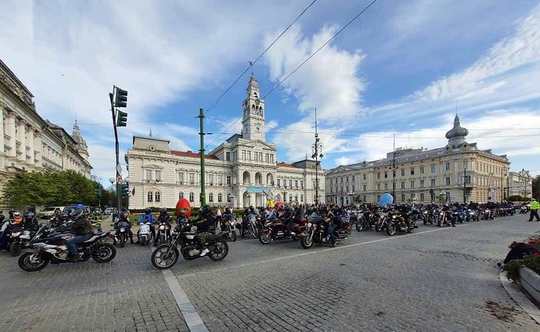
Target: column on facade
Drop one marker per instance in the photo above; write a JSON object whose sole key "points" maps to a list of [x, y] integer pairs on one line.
{"points": [[30, 144], [1, 131], [252, 199], [10, 130], [21, 130], [38, 147]]}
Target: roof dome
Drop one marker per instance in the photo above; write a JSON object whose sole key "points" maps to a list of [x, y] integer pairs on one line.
{"points": [[456, 135], [457, 131]]}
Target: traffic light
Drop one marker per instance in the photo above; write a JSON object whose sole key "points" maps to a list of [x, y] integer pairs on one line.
{"points": [[120, 99], [125, 190], [121, 118]]}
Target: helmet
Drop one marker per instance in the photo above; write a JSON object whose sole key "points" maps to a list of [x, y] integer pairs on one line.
{"points": [[76, 213], [17, 217], [147, 211], [29, 216]]}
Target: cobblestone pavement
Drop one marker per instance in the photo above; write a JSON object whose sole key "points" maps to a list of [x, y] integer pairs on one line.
{"points": [[124, 295], [441, 280], [433, 280]]}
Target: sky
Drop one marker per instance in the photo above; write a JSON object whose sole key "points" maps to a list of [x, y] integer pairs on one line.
{"points": [[404, 68]]}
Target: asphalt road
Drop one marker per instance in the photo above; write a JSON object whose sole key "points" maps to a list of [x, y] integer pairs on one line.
{"points": [[432, 280]]}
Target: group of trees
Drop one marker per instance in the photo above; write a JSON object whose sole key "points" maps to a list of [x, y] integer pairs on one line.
{"points": [[49, 188]]}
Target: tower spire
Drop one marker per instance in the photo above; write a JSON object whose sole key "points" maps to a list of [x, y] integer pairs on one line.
{"points": [[253, 112]]}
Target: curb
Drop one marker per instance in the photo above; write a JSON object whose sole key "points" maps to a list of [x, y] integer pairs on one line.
{"points": [[518, 297]]}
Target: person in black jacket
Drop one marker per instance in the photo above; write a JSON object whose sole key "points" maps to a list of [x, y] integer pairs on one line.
{"points": [[82, 231]]}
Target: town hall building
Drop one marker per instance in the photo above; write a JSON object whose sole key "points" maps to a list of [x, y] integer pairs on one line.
{"points": [[242, 171]]}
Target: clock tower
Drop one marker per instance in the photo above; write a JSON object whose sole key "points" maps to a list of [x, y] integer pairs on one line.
{"points": [[253, 107]]}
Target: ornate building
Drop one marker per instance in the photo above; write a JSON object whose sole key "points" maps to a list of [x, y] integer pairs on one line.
{"points": [[520, 184], [27, 141], [456, 172], [240, 172]]}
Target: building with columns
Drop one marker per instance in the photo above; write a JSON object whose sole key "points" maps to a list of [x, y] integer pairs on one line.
{"points": [[30, 143], [520, 184], [240, 172], [456, 172]]}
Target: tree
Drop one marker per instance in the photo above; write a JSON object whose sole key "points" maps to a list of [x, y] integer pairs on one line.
{"points": [[49, 188]]}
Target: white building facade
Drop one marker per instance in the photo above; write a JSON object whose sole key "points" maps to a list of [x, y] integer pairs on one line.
{"points": [[242, 171], [520, 184], [457, 172], [30, 143]]}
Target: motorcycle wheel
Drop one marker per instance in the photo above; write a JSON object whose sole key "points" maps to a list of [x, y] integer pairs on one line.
{"points": [[391, 229], [15, 249], [359, 227], [219, 252], [32, 264], [265, 236], [307, 242], [103, 253], [163, 258]]}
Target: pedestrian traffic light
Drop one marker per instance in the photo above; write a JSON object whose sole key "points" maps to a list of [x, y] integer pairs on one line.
{"points": [[121, 119], [120, 99]]}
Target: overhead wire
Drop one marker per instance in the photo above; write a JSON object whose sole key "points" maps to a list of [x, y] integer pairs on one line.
{"points": [[337, 33], [252, 63]]}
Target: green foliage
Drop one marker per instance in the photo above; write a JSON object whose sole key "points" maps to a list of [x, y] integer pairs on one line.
{"points": [[517, 198], [50, 188], [512, 268]]}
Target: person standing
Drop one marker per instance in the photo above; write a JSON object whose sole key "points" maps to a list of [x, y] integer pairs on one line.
{"points": [[535, 205]]}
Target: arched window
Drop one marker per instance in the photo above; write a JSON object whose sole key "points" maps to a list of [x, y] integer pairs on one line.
{"points": [[211, 197], [246, 178], [157, 197], [219, 198], [181, 195], [191, 197], [150, 197]]}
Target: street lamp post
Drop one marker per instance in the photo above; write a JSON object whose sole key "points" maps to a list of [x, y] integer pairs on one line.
{"points": [[317, 154]]}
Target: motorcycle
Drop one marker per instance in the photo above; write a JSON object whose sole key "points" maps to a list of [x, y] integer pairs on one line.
{"points": [[314, 233], [163, 233], [396, 222], [144, 235], [122, 233], [251, 226], [228, 226], [52, 249], [186, 238], [19, 239], [277, 230]]}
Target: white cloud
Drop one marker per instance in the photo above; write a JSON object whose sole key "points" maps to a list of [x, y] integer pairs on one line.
{"points": [[514, 133], [328, 82], [509, 73], [297, 140], [269, 126]]}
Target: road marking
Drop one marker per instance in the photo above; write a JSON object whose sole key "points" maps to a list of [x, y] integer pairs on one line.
{"points": [[192, 318], [312, 252], [193, 321]]}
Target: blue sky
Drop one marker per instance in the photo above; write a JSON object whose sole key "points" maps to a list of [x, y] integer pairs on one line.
{"points": [[404, 68]]}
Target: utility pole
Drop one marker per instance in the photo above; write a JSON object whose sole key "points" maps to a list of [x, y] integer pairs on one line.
{"points": [[201, 155], [317, 153], [394, 169], [118, 98]]}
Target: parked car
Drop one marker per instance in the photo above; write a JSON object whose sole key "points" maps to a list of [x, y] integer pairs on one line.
{"points": [[49, 212]]}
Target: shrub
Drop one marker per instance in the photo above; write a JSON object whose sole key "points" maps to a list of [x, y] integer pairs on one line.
{"points": [[512, 268]]}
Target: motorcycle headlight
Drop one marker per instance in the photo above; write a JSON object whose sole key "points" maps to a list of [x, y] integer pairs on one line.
{"points": [[393, 217], [162, 227]]}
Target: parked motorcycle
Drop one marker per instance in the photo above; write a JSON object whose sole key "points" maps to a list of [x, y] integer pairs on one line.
{"points": [[52, 248], [145, 235], [396, 222], [163, 233], [187, 242], [275, 230], [122, 233]]}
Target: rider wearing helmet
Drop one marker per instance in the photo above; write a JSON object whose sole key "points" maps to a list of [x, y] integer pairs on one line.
{"points": [[148, 218], [123, 221], [166, 219], [82, 231]]}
